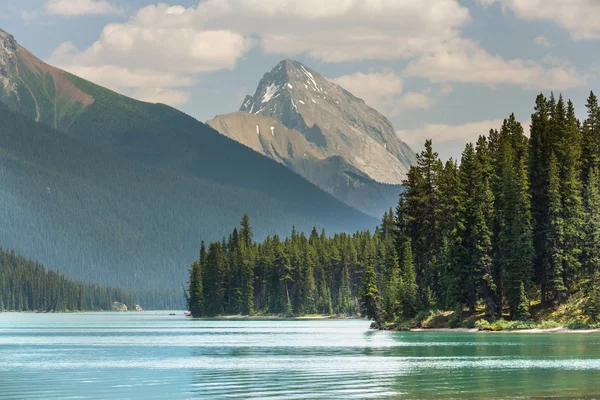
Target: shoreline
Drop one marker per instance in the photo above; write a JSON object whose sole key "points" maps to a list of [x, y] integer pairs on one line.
{"points": [[475, 330], [275, 317]]}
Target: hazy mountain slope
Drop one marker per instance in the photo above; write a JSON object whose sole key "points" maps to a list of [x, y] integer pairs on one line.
{"points": [[124, 190], [102, 217], [333, 119], [289, 147], [42, 92]]}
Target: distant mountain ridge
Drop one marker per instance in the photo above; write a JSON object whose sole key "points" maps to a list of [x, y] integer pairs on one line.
{"points": [[290, 148], [333, 119], [120, 191], [36, 89], [318, 129]]}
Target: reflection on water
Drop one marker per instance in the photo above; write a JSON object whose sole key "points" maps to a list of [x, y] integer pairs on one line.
{"points": [[148, 356]]}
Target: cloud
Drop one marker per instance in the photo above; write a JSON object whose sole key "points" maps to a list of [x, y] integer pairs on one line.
{"points": [[466, 62], [415, 100], [379, 90], [343, 30], [75, 8], [215, 34], [445, 90], [384, 92], [160, 47], [541, 41], [158, 95], [28, 16], [578, 17], [449, 139]]}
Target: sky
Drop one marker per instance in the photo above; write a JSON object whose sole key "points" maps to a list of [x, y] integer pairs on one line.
{"points": [[448, 70]]}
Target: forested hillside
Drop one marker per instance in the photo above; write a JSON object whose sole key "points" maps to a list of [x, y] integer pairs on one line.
{"points": [[25, 285], [118, 191], [513, 227], [103, 218]]}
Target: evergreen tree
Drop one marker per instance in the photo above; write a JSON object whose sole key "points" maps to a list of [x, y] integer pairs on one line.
{"points": [[591, 245], [196, 293], [246, 231], [370, 296], [590, 138], [555, 236]]}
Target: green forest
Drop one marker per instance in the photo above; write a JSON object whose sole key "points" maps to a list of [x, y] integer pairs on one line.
{"points": [[101, 217], [510, 229], [25, 285]]}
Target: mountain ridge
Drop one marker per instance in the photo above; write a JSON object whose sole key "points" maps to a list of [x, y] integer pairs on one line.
{"points": [[289, 147], [333, 119], [117, 190]]}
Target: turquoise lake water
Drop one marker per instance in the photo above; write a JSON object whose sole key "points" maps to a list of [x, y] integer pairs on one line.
{"points": [[149, 356]]}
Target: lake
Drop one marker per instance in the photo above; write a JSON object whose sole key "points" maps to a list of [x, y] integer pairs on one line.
{"points": [[152, 356]]}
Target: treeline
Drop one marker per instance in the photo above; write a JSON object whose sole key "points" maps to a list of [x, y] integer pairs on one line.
{"points": [[296, 276], [515, 223], [26, 285], [97, 216]]}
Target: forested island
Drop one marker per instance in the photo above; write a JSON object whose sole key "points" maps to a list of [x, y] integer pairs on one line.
{"points": [[25, 285], [511, 232]]}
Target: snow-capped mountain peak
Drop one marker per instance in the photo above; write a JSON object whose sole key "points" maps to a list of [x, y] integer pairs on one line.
{"points": [[333, 119]]}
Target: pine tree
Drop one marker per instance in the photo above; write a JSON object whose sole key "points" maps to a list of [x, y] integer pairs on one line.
{"points": [[514, 240], [571, 201], [246, 231], [196, 293], [539, 156], [555, 236], [344, 303], [408, 293], [591, 245], [370, 296], [522, 311], [590, 138]]}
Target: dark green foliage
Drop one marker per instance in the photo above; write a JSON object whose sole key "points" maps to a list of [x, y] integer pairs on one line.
{"points": [[518, 221], [300, 276], [370, 296], [195, 295], [456, 318], [522, 309], [120, 213], [25, 285]]}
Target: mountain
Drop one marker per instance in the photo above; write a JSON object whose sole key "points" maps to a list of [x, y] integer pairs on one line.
{"points": [[37, 89], [291, 148], [333, 119], [119, 191]]}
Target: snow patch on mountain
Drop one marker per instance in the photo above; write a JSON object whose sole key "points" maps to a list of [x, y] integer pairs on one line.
{"points": [[337, 121]]}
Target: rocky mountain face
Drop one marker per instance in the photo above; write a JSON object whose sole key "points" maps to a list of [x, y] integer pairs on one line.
{"points": [[290, 147], [330, 117], [324, 133], [36, 89], [114, 190]]}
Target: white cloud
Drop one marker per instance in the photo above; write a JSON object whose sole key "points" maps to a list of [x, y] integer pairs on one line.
{"points": [[449, 139], [116, 77], [415, 100], [161, 47], [379, 90], [158, 95], [445, 90], [28, 16], [541, 41], [217, 33], [343, 30], [384, 92], [578, 17], [73, 8], [465, 61]]}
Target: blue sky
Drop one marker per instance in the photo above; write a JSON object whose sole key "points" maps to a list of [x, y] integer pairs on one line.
{"points": [[444, 69]]}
